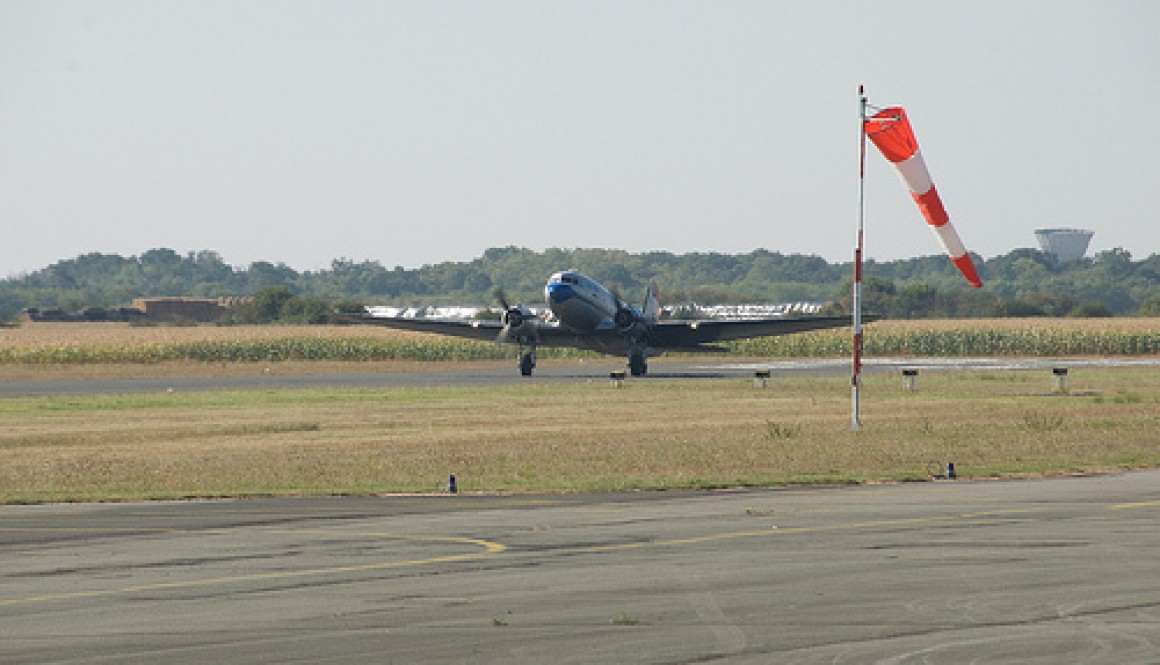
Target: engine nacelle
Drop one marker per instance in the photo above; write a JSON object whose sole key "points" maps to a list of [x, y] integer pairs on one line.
{"points": [[624, 319], [514, 317], [519, 325]]}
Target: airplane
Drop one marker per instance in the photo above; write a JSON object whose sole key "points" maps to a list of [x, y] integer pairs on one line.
{"points": [[589, 316]]}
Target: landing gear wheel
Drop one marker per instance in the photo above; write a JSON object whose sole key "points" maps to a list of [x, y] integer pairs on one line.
{"points": [[527, 363], [636, 364]]}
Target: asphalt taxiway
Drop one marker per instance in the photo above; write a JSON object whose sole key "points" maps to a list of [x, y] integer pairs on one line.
{"points": [[1041, 571]]}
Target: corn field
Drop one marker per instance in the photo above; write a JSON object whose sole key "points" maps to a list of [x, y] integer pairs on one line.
{"points": [[74, 344], [274, 350], [956, 343], [81, 344]]}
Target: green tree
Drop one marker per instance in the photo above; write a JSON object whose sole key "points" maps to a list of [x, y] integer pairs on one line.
{"points": [[265, 307], [305, 311], [1021, 282], [1150, 307], [1089, 310], [913, 301]]}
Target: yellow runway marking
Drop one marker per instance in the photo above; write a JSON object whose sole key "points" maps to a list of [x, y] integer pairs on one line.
{"points": [[87, 529], [1142, 504], [778, 530], [489, 549]]}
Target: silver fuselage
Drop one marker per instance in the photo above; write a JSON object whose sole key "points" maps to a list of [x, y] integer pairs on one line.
{"points": [[579, 302]]}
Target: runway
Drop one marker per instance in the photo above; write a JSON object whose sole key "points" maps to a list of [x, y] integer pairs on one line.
{"points": [[1043, 571], [453, 374]]}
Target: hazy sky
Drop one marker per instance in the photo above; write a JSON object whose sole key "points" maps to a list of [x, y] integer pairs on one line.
{"points": [[422, 131]]}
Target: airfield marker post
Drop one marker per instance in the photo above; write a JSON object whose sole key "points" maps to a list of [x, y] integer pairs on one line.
{"points": [[761, 378], [910, 380]]}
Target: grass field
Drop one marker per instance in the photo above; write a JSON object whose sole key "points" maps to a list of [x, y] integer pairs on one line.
{"points": [[584, 437], [652, 434]]}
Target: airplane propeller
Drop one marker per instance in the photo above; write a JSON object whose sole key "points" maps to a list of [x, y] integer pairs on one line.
{"points": [[624, 318], [498, 294], [514, 318]]}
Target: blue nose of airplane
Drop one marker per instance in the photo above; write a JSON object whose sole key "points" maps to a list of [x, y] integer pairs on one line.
{"points": [[559, 293]]}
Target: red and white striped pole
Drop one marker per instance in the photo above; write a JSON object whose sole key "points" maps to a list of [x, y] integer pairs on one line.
{"points": [[856, 378]]}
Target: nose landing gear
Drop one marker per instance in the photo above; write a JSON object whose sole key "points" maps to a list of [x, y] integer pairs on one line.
{"points": [[527, 358], [637, 362]]}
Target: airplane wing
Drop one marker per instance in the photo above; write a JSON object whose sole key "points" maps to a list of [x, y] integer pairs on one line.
{"points": [[692, 335], [547, 334], [483, 330], [671, 335]]}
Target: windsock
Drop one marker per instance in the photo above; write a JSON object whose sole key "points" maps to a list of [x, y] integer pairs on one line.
{"points": [[890, 131]]}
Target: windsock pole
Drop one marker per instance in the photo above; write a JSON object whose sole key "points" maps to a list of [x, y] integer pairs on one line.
{"points": [[856, 377]]}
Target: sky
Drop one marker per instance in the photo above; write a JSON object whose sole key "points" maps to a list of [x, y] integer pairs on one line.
{"points": [[424, 131]]}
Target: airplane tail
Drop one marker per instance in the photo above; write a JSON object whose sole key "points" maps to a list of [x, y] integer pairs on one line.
{"points": [[652, 304]]}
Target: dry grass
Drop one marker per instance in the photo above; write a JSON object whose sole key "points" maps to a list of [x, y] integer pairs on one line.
{"points": [[651, 434], [583, 437], [30, 335]]}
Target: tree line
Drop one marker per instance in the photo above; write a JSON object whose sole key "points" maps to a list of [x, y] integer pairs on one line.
{"points": [[1024, 282]]}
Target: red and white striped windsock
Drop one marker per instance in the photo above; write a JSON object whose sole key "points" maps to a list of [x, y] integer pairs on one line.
{"points": [[890, 131]]}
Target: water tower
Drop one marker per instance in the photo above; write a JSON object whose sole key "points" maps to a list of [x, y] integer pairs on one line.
{"points": [[1065, 244]]}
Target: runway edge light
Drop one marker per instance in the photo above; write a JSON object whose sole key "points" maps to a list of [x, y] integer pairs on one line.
{"points": [[761, 377]]}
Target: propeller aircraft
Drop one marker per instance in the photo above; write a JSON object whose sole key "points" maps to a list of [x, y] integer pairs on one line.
{"points": [[590, 316]]}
